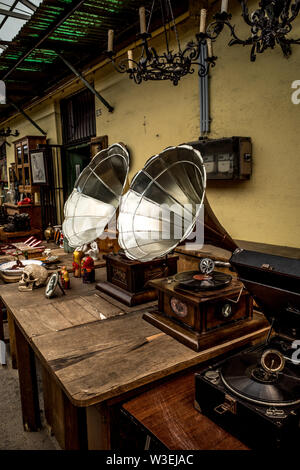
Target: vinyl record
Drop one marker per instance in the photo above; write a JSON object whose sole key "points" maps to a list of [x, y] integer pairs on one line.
{"points": [[239, 374], [195, 281]]}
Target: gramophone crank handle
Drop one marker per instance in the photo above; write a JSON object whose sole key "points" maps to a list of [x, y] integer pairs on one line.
{"points": [[207, 265], [224, 264]]}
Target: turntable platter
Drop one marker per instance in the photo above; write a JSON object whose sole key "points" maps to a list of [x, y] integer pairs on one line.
{"points": [[244, 376], [196, 281]]}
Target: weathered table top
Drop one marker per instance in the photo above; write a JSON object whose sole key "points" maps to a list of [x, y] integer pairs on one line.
{"points": [[207, 251], [104, 359], [224, 255], [15, 300], [167, 412], [37, 315], [94, 359]]}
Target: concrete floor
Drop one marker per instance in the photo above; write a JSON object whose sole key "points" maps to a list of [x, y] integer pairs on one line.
{"points": [[12, 434]]}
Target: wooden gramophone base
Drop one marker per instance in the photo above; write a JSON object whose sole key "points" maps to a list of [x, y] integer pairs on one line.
{"points": [[201, 341], [128, 298]]}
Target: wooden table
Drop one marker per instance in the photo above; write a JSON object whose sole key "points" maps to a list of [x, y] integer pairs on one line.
{"points": [[89, 368], [65, 259], [14, 300], [167, 414]]}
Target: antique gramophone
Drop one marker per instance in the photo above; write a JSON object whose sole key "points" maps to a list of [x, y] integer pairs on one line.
{"points": [[255, 393], [91, 206], [164, 202]]}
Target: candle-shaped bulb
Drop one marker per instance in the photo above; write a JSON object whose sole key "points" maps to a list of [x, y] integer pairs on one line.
{"points": [[202, 20], [130, 59], [224, 6], [110, 40], [209, 48], [142, 13]]}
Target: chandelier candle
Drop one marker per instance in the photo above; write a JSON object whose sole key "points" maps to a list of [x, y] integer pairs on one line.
{"points": [[142, 13], [224, 6], [110, 43], [209, 48], [202, 20], [170, 64]]}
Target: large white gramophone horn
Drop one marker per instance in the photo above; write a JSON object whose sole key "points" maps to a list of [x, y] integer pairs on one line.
{"points": [[96, 195], [162, 205]]}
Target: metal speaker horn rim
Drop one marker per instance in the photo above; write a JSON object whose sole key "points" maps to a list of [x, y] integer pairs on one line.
{"points": [[200, 174], [115, 150]]}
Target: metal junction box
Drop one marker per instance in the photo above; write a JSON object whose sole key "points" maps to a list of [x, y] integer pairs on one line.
{"points": [[228, 158]]}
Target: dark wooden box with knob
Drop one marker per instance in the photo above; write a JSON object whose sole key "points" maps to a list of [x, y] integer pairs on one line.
{"points": [[201, 320], [128, 280]]}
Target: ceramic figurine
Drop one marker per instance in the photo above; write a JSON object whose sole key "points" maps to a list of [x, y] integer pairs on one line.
{"points": [[47, 252], [77, 257], [93, 251], [88, 270], [65, 278], [61, 240]]}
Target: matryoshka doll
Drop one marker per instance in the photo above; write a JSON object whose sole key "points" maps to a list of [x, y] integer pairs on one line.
{"points": [[65, 278], [77, 257], [88, 270]]}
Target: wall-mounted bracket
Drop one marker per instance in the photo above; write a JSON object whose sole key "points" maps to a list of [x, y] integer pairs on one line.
{"points": [[18, 108], [86, 83]]}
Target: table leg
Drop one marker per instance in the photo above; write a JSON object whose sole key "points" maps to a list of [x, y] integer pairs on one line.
{"points": [[12, 340], [28, 383], [98, 427], [66, 421], [1, 322]]}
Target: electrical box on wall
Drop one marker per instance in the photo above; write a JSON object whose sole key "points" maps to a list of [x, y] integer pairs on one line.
{"points": [[228, 158]]}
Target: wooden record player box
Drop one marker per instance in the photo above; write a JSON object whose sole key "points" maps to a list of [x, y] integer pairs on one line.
{"points": [[127, 280], [201, 320]]}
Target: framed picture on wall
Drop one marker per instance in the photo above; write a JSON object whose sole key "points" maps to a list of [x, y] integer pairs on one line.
{"points": [[38, 167]]}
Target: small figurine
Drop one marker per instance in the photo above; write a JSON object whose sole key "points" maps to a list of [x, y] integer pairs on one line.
{"points": [[47, 252], [61, 240], [93, 251], [88, 270], [77, 257], [65, 278]]}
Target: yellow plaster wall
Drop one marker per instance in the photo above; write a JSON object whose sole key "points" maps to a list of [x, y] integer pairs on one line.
{"points": [[247, 99], [44, 115]]}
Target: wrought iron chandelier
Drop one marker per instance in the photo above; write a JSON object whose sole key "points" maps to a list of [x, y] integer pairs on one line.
{"points": [[8, 132], [169, 65], [269, 25]]}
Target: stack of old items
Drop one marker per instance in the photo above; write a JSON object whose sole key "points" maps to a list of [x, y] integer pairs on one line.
{"points": [[18, 223]]}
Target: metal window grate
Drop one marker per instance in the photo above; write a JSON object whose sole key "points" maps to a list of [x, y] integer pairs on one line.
{"points": [[78, 117]]}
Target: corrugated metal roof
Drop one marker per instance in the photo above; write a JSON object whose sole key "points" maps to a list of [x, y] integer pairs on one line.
{"points": [[81, 38]]}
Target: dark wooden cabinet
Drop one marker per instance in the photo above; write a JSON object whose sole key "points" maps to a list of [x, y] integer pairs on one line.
{"points": [[22, 159], [23, 147]]}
